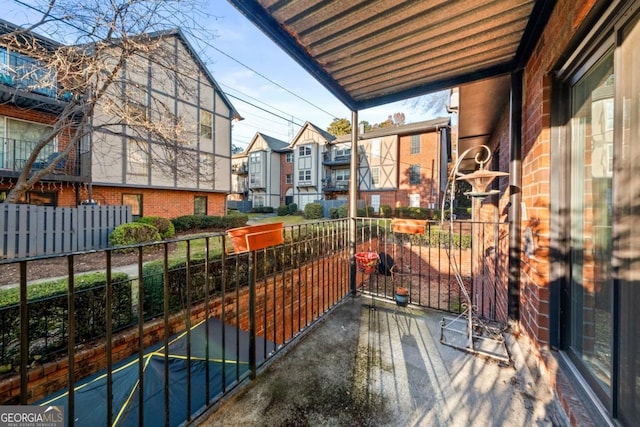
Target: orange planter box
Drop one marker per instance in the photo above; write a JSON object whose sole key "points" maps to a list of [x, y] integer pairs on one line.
{"points": [[409, 226], [254, 237]]}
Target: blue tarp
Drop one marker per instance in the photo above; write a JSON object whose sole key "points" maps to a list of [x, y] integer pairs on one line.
{"points": [[90, 393]]}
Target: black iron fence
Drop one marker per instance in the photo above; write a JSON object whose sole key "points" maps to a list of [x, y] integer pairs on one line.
{"points": [[199, 319]]}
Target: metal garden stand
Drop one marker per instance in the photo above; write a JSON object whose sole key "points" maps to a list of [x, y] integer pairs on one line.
{"points": [[475, 332]]}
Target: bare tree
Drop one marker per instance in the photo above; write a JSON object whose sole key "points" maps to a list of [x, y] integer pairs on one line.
{"points": [[102, 76], [433, 103]]}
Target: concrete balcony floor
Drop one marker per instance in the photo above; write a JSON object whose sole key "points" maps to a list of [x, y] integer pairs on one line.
{"points": [[386, 367]]}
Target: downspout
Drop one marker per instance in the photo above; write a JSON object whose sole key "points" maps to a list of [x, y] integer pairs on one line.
{"points": [[353, 200], [515, 195]]}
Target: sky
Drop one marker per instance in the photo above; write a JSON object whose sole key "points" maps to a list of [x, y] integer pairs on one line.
{"points": [[273, 94]]}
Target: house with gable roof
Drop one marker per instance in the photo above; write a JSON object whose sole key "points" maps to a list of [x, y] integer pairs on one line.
{"points": [[263, 170]]}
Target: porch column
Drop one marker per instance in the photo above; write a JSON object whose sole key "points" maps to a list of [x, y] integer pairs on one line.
{"points": [[515, 194], [353, 201]]}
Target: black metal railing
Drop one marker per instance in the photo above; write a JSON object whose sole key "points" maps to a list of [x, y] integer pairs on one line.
{"points": [[190, 307], [14, 154], [27, 74], [428, 262], [204, 318]]}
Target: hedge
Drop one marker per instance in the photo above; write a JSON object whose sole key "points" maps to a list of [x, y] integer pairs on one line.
{"points": [[164, 226], [204, 222], [47, 302]]}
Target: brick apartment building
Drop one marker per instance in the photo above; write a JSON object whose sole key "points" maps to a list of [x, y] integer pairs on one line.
{"points": [[117, 164], [401, 166]]}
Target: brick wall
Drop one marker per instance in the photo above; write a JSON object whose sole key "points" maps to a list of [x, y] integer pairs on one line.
{"points": [[536, 183], [429, 161], [164, 203], [285, 168]]}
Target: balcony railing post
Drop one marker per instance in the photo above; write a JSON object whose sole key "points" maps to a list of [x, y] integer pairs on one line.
{"points": [[252, 313], [24, 335]]}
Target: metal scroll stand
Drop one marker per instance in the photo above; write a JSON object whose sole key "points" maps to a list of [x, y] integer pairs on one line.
{"points": [[467, 332]]}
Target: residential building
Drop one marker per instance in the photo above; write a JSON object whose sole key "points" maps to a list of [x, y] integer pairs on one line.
{"points": [[123, 161], [557, 103], [264, 170], [309, 147], [405, 165], [286, 177], [239, 174], [28, 110], [192, 176]]}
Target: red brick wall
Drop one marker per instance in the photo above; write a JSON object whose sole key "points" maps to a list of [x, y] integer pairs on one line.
{"points": [[157, 202], [285, 168], [428, 159], [536, 177]]}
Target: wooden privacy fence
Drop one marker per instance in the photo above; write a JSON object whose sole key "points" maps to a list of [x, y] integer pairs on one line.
{"points": [[29, 230]]}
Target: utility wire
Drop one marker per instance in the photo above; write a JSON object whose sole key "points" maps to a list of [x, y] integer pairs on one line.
{"points": [[208, 44]]}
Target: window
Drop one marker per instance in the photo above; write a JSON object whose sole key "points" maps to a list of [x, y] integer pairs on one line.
{"points": [[289, 178], [375, 176], [206, 124], [414, 174], [289, 158], [40, 198], [137, 157], [305, 165], [375, 148], [591, 192], [135, 201], [414, 200], [304, 176], [342, 176], [255, 169], [342, 153], [136, 106], [200, 205], [415, 144], [600, 293], [304, 151], [258, 201]]}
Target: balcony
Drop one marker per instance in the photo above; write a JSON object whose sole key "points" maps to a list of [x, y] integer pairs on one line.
{"points": [[14, 154], [240, 169], [27, 83], [171, 337], [335, 186], [329, 159]]}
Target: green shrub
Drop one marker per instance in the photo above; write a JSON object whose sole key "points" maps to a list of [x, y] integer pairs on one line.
{"points": [[164, 226], [185, 223], [47, 301], [333, 213], [283, 210], [385, 211], [207, 222], [262, 209], [313, 211], [413, 212], [293, 208], [133, 233], [343, 211]]}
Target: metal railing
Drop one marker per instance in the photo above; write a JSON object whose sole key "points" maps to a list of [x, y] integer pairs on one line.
{"points": [[194, 300], [193, 309], [424, 263], [14, 154]]}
